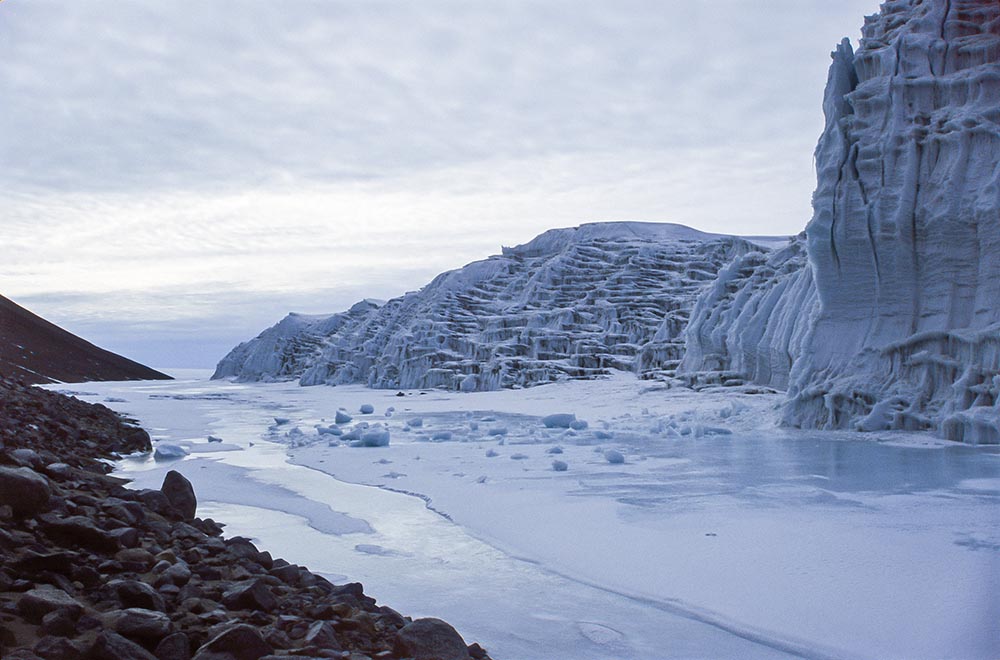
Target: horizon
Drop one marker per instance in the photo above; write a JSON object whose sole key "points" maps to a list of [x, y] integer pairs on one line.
{"points": [[210, 173]]}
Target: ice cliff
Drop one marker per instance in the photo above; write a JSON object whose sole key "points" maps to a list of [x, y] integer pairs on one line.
{"points": [[888, 315], [572, 303]]}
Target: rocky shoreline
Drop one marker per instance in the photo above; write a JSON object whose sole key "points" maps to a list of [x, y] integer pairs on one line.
{"points": [[92, 569]]}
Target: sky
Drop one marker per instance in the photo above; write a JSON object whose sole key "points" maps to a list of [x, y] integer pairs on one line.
{"points": [[178, 176]]}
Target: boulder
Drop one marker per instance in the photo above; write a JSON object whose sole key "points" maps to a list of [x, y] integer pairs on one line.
{"points": [[140, 624], [174, 647], [180, 493], [241, 642], [134, 593], [431, 639], [112, 646], [322, 635], [24, 490], [38, 602], [253, 595]]}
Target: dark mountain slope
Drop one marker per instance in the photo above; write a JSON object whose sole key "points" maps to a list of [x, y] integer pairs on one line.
{"points": [[37, 351]]}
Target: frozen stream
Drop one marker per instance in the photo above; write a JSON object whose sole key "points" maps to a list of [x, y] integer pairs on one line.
{"points": [[718, 537]]}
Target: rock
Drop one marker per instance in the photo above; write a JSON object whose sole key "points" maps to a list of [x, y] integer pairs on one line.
{"points": [[140, 624], [241, 642], [57, 648], [253, 595], [24, 490], [323, 635], [59, 623], [431, 639], [180, 493], [174, 647], [156, 501], [112, 646], [135, 559], [76, 531], [133, 593], [27, 458], [178, 574], [38, 602]]}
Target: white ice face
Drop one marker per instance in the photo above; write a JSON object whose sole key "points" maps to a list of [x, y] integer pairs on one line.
{"points": [[896, 322], [572, 303]]}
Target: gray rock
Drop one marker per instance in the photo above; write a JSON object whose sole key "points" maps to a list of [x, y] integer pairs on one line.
{"points": [[174, 647], [112, 646], [76, 531], [178, 574], [59, 623], [140, 625], [180, 493], [322, 634], [133, 593], [431, 639], [38, 602], [241, 642], [27, 458], [57, 648], [253, 595], [24, 490]]}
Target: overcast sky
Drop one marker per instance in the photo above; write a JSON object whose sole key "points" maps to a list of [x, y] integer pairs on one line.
{"points": [[179, 175]]}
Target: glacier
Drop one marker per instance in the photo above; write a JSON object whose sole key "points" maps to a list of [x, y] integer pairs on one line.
{"points": [[886, 313], [571, 303]]}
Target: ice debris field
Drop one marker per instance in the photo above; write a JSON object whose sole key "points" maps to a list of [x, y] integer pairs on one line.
{"points": [[600, 519]]}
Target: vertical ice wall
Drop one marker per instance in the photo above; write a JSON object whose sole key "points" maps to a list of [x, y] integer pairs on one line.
{"points": [[904, 242], [895, 323]]}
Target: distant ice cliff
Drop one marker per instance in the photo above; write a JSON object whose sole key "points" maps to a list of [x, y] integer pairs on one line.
{"points": [[572, 303]]}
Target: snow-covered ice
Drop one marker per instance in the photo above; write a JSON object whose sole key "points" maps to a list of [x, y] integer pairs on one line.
{"points": [[756, 543]]}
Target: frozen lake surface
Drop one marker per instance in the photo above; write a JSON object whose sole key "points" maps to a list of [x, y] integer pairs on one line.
{"points": [[718, 536]]}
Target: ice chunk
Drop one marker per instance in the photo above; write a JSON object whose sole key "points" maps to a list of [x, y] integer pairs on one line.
{"points": [[518, 457], [441, 436], [497, 431], [342, 417], [469, 384], [559, 466], [377, 437], [554, 450], [279, 421], [490, 453], [213, 438], [614, 457], [415, 422], [578, 424], [367, 409], [558, 420], [167, 452]]}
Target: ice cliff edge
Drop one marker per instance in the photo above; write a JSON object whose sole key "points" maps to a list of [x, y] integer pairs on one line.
{"points": [[893, 320]]}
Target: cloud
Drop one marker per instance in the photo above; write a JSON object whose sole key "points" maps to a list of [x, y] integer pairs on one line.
{"points": [[212, 163]]}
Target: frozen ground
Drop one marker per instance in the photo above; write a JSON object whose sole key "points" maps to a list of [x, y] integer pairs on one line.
{"points": [[718, 536]]}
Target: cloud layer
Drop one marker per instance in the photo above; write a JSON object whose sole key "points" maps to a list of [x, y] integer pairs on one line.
{"points": [[203, 167]]}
